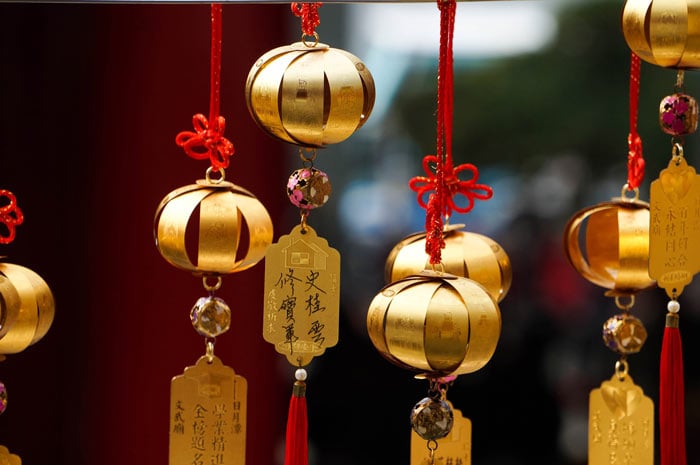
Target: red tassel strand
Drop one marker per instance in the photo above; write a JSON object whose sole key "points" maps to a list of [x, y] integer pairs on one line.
{"points": [[672, 393], [635, 160], [296, 447]]}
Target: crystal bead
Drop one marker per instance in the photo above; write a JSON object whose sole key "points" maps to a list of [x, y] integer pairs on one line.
{"points": [[678, 114], [308, 188], [432, 418], [3, 397], [624, 334], [211, 316]]}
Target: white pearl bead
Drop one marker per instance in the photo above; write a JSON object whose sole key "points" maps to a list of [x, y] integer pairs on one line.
{"points": [[300, 374], [673, 306]]}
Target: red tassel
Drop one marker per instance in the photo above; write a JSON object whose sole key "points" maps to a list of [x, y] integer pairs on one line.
{"points": [[296, 450], [672, 396]]}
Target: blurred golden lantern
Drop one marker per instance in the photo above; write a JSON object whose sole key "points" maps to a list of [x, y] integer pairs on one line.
{"points": [[27, 310], [225, 211], [665, 33], [608, 244], [466, 254], [435, 324], [309, 94]]}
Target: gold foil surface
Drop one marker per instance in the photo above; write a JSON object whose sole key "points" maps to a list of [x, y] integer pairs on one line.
{"points": [[674, 252], [466, 254], [620, 424], [208, 408], [453, 449], [6, 458], [35, 312], [309, 95], [302, 295], [225, 211], [664, 32], [435, 323], [615, 238]]}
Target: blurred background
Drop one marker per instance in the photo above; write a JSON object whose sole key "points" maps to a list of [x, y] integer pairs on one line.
{"points": [[92, 98]]}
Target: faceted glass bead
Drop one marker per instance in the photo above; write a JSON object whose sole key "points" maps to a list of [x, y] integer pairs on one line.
{"points": [[624, 334], [3, 397], [432, 419], [308, 188], [211, 316], [678, 114]]}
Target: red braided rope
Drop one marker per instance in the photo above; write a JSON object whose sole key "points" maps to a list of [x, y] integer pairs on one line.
{"points": [[308, 12], [635, 160], [444, 182], [10, 216], [208, 140]]}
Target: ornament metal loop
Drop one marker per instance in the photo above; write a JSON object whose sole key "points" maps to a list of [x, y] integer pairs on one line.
{"points": [[626, 190], [677, 152], [621, 369], [307, 159], [211, 287], [218, 180], [303, 214], [625, 306], [210, 349], [680, 81], [309, 44]]}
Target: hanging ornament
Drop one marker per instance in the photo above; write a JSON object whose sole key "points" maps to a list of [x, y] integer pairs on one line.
{"points": [[438, 314], [308, 93], [663, 32], [608, 244], [208, 402], [26, 303], [674, 258]]}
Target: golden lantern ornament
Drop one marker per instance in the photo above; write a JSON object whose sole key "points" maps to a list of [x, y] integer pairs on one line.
{"points": [[467, 254], [27, 304], [438, 315], [210, 228], [309, 93], [664, 33], [608, 245]]}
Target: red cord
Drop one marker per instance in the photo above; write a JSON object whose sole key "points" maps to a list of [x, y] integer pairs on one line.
{"points": [[308, 12], [635, 161], [208, 140], [10, 216], [444, 182]]}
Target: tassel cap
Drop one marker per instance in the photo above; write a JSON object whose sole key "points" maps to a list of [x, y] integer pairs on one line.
{"points": [[672, 320], [299, 389]]}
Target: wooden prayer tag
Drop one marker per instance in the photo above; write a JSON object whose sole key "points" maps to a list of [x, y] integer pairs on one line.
{"points": [[208, 415], [8, 459], [674, 249], [453, 449], [302, 295], [620, 424]]}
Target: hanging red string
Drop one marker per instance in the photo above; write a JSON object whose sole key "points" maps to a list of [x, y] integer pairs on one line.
{"points": [[308, 12], [296, 447], [10, 216], [443, 182], [672, 395], [635, 161], [208, 140]]}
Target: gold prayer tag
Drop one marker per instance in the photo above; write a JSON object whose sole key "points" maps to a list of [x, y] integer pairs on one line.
{"points": [[453, 449], [620, 424], [674, 251], [302, 289], [208, 415], [8, 459]]}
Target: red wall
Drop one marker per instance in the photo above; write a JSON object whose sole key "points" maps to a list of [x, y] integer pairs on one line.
{"points": [[92, 98]]}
